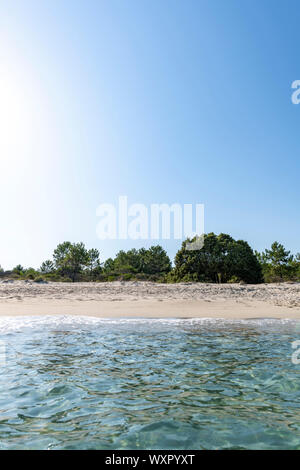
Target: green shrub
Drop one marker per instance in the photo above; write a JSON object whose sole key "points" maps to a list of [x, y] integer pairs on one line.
{"points": [[220, 258], [29, 276], [126, 277], [39, 279]]}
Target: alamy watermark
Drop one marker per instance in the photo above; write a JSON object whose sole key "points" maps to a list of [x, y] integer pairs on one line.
{"points": [[158, 221], [296, 94], [296, 353]]}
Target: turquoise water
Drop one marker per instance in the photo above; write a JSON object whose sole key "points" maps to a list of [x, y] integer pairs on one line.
{"points": [[80, 383]]}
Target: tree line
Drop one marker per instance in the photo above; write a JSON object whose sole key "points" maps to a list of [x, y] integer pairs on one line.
{"points": [[221, 259]]}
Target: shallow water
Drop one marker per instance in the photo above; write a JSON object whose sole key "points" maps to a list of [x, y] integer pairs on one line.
{"points": [[84, 383]]}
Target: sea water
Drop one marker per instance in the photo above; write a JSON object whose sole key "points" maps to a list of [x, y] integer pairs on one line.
{"points": [[86, 383]]}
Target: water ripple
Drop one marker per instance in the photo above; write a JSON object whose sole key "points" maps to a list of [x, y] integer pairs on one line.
{"points": [[81, 383]]}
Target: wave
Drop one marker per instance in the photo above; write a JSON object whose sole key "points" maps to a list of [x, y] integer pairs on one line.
{"points": [[9, 323]]}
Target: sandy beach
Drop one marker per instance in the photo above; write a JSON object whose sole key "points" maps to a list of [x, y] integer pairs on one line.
{"points": [[146, 299]]}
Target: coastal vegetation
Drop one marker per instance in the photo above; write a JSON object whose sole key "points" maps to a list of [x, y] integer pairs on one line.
{"points": [[278, 264], [221, 260]]}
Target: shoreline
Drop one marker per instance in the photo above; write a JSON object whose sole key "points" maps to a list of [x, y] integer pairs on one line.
{"points": [[149, 300]]}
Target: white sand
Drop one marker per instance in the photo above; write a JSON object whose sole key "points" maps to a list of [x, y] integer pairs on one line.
{"points": [[146, 299]]}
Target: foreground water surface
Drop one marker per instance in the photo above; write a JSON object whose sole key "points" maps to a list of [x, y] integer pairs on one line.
{"points": [[84, 383]]}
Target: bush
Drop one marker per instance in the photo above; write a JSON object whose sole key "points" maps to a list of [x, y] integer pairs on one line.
{"points": [[40, 279], [66, 279], [54, 277], [278, 265], [30, 276], [126, 277], [220, 258]]}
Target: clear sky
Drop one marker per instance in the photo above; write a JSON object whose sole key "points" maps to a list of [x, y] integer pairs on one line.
{"points": [[162, 101]]}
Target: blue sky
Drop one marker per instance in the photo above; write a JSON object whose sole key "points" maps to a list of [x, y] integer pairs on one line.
{"points": [[164, 102]]}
